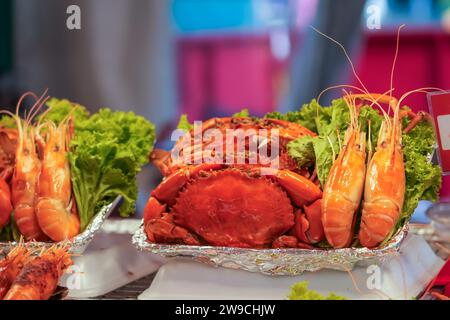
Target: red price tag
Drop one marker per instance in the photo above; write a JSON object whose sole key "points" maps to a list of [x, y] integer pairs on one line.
{"points": [[439, 105]]}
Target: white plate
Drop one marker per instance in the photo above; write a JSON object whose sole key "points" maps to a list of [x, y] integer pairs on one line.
{"points": [[403, 277]]}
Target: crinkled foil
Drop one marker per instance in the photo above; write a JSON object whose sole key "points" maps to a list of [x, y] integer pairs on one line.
{"points": [[79, 243], [275, 262]]}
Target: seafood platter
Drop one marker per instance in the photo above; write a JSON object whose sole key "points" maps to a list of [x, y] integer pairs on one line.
{"points": [[325, 187], [344, 191]]}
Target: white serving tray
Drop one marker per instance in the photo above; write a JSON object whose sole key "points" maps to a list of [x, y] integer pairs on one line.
{"points": [[110, 262], [402, 277]]}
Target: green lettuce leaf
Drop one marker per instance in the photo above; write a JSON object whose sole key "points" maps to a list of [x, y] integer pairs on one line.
{"points": [[423, 179], [184, 123], [101, 170], [330, 124], [6, 233], [10, 232], [300, 291], [370, 116], [128, 130], [7, 122], [309, 115], [59, 109], [242, 114], [335, 120], [107, 152], [302, 150]]}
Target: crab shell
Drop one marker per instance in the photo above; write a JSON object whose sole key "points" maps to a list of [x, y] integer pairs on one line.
{"points": [[244, 205], [286, 131]]}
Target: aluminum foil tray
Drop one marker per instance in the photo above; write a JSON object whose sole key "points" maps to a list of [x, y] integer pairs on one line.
{"points": [[80, 242], [275, 262]]}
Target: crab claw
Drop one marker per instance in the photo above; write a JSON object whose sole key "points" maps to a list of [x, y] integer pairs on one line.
{"points": [[159, 225], [285, 242], [153, 209], [163, 230], [308, 225]]}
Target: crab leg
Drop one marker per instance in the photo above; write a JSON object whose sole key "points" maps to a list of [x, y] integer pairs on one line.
{"points": [[168, 189], [165, 230], [159, 225], [153, 209]]}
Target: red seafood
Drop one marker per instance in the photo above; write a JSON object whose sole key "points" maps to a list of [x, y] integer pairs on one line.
{"points": [[11, 266], [56, 211], [5, 203], [237, 204], [26, 175], [8, 139], [344, 187], [38, 279]]}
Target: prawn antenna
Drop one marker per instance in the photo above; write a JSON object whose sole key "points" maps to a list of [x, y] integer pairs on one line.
{"points": [[337, 87], [17, 117], [9, 113], [397, 46], [346, 55], [364, 89], [36, 106]]}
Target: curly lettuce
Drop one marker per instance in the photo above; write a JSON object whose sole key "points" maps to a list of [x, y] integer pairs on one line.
{"points": [[244, 113], [423, 178], [330, 124], [59, 109], [309, 115], [184, 123], [300, 291], [7, 122]]}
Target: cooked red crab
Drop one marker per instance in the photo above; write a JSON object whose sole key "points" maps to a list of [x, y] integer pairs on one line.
{"points": [[236, 205]]}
